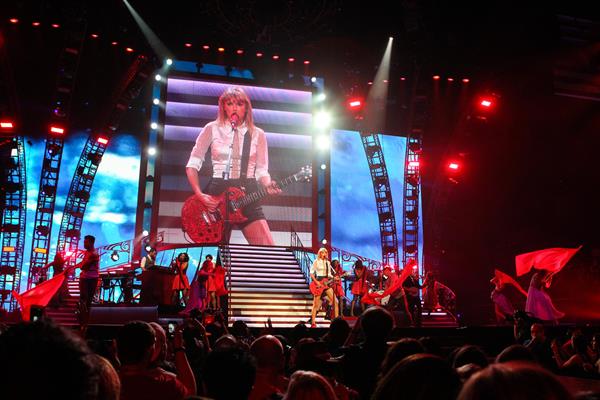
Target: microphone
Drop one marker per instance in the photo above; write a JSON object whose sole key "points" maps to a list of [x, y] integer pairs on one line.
{"points": [[234, 120]]}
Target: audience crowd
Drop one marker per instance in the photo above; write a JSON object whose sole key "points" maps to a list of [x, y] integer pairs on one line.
{"points": [[368, 361]]}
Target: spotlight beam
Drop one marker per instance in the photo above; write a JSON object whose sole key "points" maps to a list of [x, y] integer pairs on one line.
{"points": [[377, 97], [157, 45]]}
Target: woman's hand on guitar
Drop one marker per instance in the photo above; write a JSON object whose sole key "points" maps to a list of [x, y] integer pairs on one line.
{"points": [[208, 201], [270, 185]]}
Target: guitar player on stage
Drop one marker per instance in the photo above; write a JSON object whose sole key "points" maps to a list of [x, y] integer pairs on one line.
{"points": [[234, 131], [411, 289], [322, 278]]}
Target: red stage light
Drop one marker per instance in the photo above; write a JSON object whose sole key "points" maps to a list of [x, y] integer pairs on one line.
{"points": [[239, 51], [188, 45], [487, 103], [466, 80], [413, 164], [57, 129], [454, 166], [259, 54], [6, 124], [436, 77], [55, 25], [14, 21], [354, 104], [385, 81], [35, 23], [306, 62], [206, 47], [221, 49], [115, 43], [450, 79], [275, 57], [102, 140], [369, 83], [291, 59], [402, 78], [129, 50], [94, 35]]}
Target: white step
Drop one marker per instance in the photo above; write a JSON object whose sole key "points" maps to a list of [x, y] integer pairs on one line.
{"points": [[283, 279], [266, 285], [242, 247], [293, 319], [274, 307], [287, 270], [270, 258], [258, 272], [253, 294], [297, 314], [262, 265]]}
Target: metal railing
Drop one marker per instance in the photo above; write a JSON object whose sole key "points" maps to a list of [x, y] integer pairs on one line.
{"points": [[304, 257]]}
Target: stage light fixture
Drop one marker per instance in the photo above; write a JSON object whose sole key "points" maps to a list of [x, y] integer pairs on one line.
{"points": [[156, 102], [55, 26], [145, 233], [206, 47], [323, 166], [306, 62], [158, 78], [355, 104], [188, 45], [453, 166], [42, 230], [94, 35], [275, 57], [147, 248], [450, 79], [402, 78], [35, 23], [129, 49], [6, 124], [436, 77], [466, 80], [313, 79], [221, 50], [259, 55], [323, 142], [369, 83], [413, 164], [239, 51], [13, 21], [169, 61], [154, 125], [114, 43], [114, 256], [151, 151], [487, 103], [102, 140], [14, 153], [322, 120], [53, 149], [320, 97], [324, 241], [291, 59], [57, 129]]}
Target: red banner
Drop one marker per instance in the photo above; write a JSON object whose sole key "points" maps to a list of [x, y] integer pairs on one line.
{"points": [[508, 280], [552, 260], [39, 295]]}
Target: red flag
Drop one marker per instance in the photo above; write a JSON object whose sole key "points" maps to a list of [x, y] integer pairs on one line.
{"points": [[552, 260], [508, 280], [39, 295]]}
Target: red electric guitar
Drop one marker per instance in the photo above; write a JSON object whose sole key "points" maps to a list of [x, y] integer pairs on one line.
{"points": [[203, 226], [323, 285]]}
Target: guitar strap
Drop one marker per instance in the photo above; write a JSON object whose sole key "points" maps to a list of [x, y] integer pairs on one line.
{"points": [[245, 155]]}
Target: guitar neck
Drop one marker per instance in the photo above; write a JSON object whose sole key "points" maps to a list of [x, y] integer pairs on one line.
{"points": [[262, 192]]}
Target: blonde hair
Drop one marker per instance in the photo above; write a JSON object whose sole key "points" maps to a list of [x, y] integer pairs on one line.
{"points": [[321, 250], [308, 385], [235, 93]]}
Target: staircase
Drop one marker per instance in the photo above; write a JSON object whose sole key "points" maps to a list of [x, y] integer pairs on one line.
{"points": [[66, 314], [267, 282]]}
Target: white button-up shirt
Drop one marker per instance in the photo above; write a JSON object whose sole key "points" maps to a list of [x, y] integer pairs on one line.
{"points": [[219, 138]]}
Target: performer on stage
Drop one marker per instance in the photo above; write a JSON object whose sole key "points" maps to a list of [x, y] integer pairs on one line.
{"points": [[181, 283], [208, 270], [338, 289], [539, 303], [235, 127], [411, 289], [319, 271], [57, 265], [502, 305], [220, 289], [359, 287], [149, 260], [88, 279]]}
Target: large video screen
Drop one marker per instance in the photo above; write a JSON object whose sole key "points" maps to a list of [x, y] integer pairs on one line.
{"points": [[110, 213], [284, 116], [354, 219]]}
